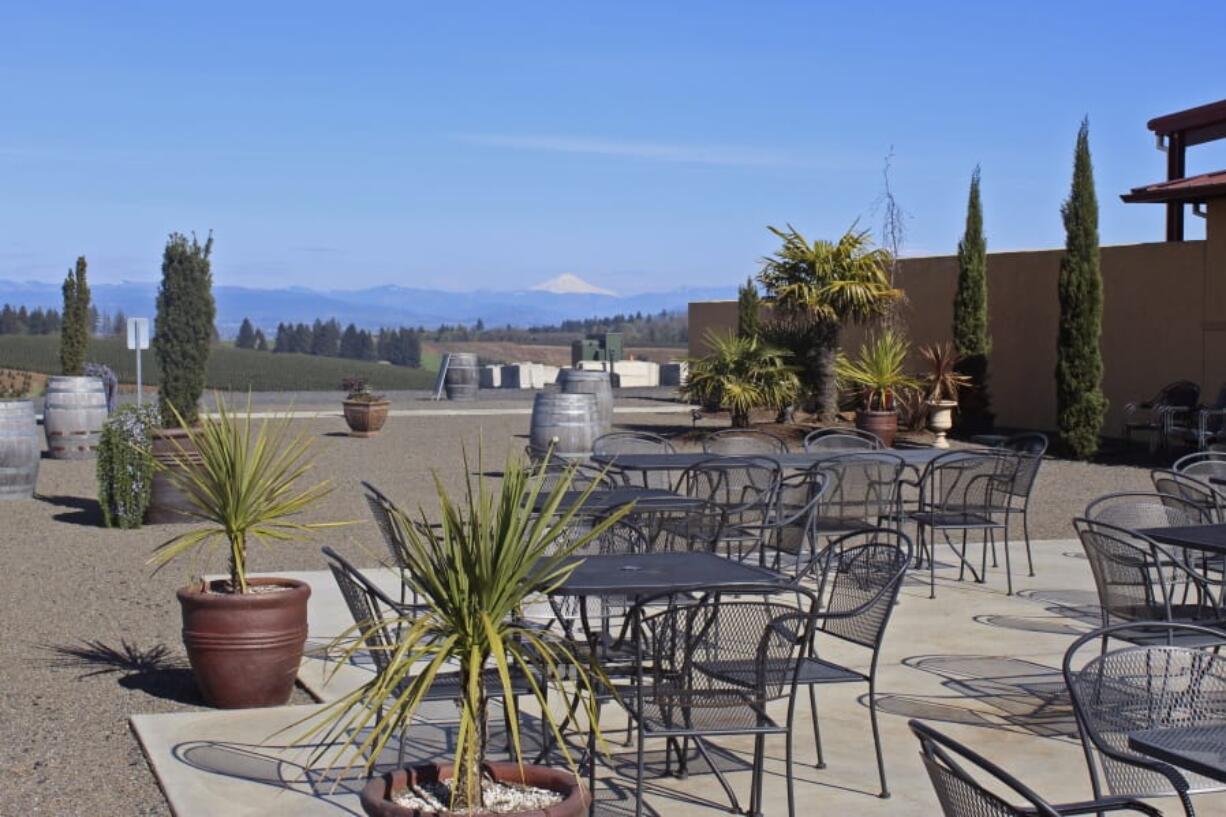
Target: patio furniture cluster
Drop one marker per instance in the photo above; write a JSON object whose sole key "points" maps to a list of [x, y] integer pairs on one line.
{"points": [[1176, 415]]}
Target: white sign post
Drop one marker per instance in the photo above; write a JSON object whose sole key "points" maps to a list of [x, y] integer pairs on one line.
{"points": [[138, 339]]}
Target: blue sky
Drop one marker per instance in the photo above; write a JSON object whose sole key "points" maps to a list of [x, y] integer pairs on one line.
{"points": [[644, 146]]}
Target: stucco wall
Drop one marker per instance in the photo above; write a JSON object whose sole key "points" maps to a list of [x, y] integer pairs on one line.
{"points": [[1164, 318]]}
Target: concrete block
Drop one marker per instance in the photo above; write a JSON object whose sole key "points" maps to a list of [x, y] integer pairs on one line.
{"points": [[490, 377]]}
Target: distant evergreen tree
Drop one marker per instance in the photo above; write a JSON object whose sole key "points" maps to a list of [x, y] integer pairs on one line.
{"points": [[326, 338], [119, 324], [95, 320], [34, 326], [748, 302], [1080, 405], [351, 345], [261, 342], [183, 329], [302, 339], [282, 342], [8, 321], [246, 335], [74, 334], [366, 346], [53, 322], [970, 329]]}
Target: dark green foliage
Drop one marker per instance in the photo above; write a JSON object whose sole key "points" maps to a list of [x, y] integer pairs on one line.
{"points": [[971, 337], [184, 327], [119, 326], [326, 338], [400, 347], [261, 342], [748, 302], [1080, 405], [246, 336], [74, 335], [125, 466]]}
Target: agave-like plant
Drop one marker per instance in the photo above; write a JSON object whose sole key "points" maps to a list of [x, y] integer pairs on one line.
{"points": [[878, 372], [241, 484], [739, 375], [943, 381], [473, 575]]}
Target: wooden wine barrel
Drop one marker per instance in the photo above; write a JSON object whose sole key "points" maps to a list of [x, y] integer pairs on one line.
{"points": [[167, 504], [74, 409], [568, 422], [595, 383], [19, 449], [462, 377]]}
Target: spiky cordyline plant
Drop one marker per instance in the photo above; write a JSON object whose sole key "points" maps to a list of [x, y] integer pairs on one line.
{"points": [[473, 575], [943, 381], [741, 374], [242, 486], [878, 371]]}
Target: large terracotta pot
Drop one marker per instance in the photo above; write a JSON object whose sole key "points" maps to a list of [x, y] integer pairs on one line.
{"points": [[174, 451], [941, 420], [377, 795], [245, 649], [364, 417], [882, 423]]}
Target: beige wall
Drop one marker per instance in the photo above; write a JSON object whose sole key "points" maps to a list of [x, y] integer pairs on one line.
{"points": [[1164, 318]]}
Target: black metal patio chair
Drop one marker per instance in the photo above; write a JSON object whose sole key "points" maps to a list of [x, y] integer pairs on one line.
{"points": [[962, 795], [960, 492], [715, 666], [1142, 687], [1152, 416], [746, 488], [635, 442], [1140, 582], [1030, 448], [698, 528], [859, 578], [741, 442], [379, 622], [1205, 465], [842, 439], [862, 491]]}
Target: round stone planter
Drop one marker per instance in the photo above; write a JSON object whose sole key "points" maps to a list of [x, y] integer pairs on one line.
{"points": [[377, 796], [365, 417], [882, 423]]}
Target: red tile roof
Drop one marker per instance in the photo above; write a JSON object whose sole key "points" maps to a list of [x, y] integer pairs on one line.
{"points": [[1192, 189]]}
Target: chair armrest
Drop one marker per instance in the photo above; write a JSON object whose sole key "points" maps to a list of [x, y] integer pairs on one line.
{"points": [[1107, 804]]}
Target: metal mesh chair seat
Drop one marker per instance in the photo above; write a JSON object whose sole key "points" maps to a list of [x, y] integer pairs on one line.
{"points": [[1138, 688], [812, 670], [952, 520], [674, 711], [962, 795]]}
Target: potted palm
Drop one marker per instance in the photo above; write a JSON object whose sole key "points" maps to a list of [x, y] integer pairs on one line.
{"points": [[244, 635], [473, 574], [942, 383], [879, 376], [741, 374], [365, 411]]}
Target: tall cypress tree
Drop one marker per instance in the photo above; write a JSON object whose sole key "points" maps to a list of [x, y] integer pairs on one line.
{"points": [[1080, 405], [246, 335], [75, 331], [184, 325], [971, 338], [748, 303]]}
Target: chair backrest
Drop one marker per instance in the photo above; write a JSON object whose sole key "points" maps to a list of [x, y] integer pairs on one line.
{"points": [[746, 642], [582, 475], [1181, 393], [631, 442], [1030, 448], [374, 613], [861, 489], [842, 439], [1200, 493], [383, 510], [1204, 465], [861, 577], [694, 529], [1140, 687], [735, 442], [1133, 575], [1135, 510], [968, 481], [575, 612], [959, 793]]}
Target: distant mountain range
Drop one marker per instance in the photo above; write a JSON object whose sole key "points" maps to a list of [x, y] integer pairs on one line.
{"points": [[564, 298]]}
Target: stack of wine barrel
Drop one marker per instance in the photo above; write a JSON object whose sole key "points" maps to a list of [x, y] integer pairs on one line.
{"points": [[572, 418]]}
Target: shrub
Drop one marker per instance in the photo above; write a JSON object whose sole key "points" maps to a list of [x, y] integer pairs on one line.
{"points": [[878, 373], [971, 338], [184, 329], [74, 336], [739, 375], [15, 384], [125, 465]]}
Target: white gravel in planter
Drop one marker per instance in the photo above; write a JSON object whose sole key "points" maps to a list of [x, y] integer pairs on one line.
{"points": [[500, 798]]}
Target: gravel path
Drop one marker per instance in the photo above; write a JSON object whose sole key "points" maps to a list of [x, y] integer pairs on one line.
{"points": [[88, 636]]}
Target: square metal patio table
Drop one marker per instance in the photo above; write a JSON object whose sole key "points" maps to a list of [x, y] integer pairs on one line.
{"points": [[1199, 749], [1208, 538], [915, 458], [603, 501]]}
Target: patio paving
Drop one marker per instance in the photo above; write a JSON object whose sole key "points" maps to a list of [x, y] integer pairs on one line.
{"points": [[975, 662]]}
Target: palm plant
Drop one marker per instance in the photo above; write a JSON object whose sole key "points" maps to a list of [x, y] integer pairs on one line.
{"points": [[739, 375], [473, 574], [878, 372], [242, 486], [943, 381], [820, 286]]}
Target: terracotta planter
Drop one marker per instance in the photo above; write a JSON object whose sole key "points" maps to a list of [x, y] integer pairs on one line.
{"points": [[882, 423], [941, 420], [377, 795], [245, 649], [167, 504], [365, 418]]}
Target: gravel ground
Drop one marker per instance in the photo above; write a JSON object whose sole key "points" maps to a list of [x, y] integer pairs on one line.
{"points": [[88, 636]]}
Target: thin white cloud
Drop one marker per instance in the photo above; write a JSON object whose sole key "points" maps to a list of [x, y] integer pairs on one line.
{"points": [[655, 151]]}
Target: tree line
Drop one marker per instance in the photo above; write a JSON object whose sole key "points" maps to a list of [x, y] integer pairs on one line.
{"points": [[21, 320], [664, 328], [399, 346]]}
